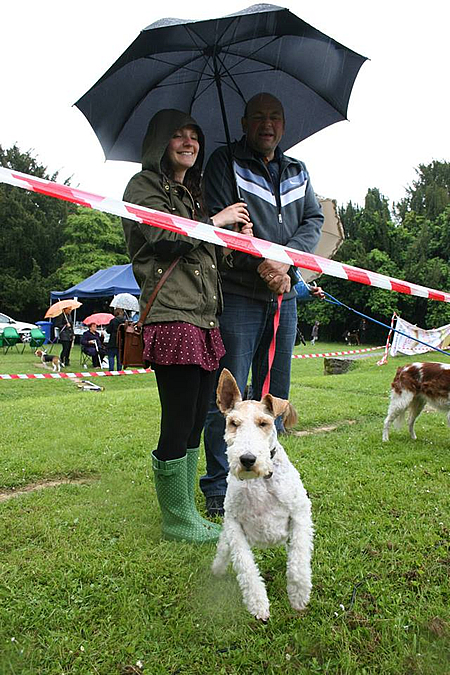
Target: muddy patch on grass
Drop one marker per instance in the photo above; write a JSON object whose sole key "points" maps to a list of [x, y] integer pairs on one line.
{"points": [[42, 484], [322, 430]]}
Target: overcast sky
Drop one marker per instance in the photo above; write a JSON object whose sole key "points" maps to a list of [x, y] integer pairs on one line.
{"points": [[53, 52]]}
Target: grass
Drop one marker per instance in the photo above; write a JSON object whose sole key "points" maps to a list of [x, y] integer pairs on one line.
{"points": [[87, 586]]}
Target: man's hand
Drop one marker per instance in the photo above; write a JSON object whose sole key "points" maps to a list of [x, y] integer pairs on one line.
{"points": [[280, 283], [275, 275], [269, 268]]}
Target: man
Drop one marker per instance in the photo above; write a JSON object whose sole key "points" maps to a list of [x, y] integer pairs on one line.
{"points": [[283, 209]]}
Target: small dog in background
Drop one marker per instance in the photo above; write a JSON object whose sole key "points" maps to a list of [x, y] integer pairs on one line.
{"points": [[351, 337], [413, 386], [266, 503], [47, 359]]}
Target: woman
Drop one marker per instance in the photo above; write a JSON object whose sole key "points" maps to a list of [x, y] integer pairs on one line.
{"points": [[66, 334], [92, 344], [112, 328], [181, 336]]}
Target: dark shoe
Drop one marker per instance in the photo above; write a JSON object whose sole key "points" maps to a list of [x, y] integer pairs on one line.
{"points": [[214, 506]]}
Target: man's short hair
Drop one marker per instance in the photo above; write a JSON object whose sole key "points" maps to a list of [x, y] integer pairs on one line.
{"points": [[262, 93]]}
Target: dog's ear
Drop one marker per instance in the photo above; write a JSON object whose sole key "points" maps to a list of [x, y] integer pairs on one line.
{"points": [[276, 406], [228, 393], [290, 417], [279, 406]]}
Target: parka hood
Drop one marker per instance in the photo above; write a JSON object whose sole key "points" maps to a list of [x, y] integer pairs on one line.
{"points": [[159, 132]]}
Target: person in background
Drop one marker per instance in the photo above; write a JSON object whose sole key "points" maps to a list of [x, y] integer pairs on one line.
{"points": [[111, 329], [315, 333], [92, 344], [283, 208], [64, 323], [181, 336]]}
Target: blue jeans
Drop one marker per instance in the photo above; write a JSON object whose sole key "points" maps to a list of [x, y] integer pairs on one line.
{"points": [[246, 326], [114, 353]]}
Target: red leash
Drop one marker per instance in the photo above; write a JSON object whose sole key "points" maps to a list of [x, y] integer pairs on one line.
{"points": [[273, 344]]}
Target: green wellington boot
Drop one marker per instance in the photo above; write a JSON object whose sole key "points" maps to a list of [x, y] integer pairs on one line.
{"points": [[180, 520], [191, 466]]}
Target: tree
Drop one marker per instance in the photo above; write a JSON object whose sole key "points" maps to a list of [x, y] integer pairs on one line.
{"points": [[429, 195], [31, 233], [415, 247], [93, 241]]}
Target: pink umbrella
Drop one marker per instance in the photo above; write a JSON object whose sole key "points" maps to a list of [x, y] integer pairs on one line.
{"points": [[101, 319]]}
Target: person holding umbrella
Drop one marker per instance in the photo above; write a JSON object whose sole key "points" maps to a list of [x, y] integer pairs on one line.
{"points": [[64, 323], [181, 336], [284, 209]]}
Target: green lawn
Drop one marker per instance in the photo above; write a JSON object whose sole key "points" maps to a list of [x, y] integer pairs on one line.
{"points": [[87, 587]]}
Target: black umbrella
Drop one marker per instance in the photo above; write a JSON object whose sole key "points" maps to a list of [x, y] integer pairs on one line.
{"points": [[209, 69]]}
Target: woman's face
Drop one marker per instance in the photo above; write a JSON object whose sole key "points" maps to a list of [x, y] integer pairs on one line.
{"points": [[93, 327], [182, 150]]}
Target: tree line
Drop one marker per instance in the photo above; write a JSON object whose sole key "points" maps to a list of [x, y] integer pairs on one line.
{"points": [[48, 244]]}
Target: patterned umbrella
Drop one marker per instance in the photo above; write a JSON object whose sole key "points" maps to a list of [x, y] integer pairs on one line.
{"points": [[125, 301]]}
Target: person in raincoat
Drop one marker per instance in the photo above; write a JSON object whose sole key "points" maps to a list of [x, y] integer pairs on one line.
{"points": [[181, 336]]}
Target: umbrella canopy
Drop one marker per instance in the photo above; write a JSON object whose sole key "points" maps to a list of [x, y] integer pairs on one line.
{"points": [[100, 318], [331, 238], [125, 301], [57, 308], [210, 69]]}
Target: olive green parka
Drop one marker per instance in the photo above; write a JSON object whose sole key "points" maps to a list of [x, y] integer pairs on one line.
{"points": [[192, 291]]}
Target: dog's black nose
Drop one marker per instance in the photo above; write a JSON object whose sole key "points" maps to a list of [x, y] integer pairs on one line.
{"points": [[247, 460]]}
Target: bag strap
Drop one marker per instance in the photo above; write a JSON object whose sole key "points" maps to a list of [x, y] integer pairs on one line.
{"points": [[156, 290]]}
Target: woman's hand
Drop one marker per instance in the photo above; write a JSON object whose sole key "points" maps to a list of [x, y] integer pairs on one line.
{"points": [[236, 214]]}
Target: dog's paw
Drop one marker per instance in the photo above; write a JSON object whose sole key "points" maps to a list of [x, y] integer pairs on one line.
{"points": [[298, 596], [259, 608], [262, 615]]}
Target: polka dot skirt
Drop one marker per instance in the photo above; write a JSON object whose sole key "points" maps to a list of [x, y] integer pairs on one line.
{"points": [[179, 343]]}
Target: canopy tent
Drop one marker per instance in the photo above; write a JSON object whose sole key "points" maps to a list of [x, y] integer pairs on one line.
{"points": [[109, 282]]}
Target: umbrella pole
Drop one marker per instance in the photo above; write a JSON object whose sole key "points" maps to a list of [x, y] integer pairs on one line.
{"points": [[226, 128]]}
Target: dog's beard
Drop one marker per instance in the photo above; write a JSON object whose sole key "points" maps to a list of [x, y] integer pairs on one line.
{"points": [[247, 475], [258, 471]]}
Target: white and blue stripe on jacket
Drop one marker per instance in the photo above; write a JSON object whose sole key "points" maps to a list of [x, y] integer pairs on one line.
{"points": [[291, 189]]}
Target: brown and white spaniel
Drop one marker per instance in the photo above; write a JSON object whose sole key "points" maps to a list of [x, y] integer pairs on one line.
{"points": [[413, 386]]}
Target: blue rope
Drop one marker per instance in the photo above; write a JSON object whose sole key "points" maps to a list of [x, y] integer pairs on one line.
{"points": [[334, 301]]}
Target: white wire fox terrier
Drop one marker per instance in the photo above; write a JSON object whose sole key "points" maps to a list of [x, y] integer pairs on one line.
{"points": [[269, 510]]}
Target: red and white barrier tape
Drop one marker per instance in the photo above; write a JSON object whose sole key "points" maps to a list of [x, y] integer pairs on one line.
{"points": [[239, 242], [144, 371], [350, 351], [73, 376]]}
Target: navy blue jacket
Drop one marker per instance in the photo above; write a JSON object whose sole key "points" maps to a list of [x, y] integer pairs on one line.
{"points": [[285, 211]]}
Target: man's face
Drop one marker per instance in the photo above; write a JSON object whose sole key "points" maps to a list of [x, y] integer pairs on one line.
{"points": [[264, 124]]}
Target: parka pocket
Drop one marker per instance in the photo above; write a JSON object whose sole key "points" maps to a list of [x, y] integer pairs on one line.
{"points": [[184, 287]]}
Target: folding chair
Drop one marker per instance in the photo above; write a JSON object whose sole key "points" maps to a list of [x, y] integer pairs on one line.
{"points": [[85, 360], [37, 339], [10, 339]]}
